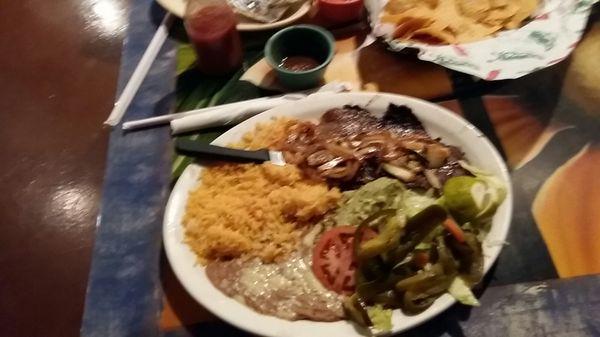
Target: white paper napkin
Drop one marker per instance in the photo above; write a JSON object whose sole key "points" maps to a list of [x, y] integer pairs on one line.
{"points": [[237, 112]]}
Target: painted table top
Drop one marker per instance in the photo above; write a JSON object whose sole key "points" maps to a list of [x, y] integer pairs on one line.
{"points": [[547, 126]]}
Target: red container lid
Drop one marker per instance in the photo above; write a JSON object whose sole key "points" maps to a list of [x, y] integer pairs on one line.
{"points": [[340, 11]]}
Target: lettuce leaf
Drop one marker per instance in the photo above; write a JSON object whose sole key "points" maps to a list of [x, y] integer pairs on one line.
{"points": [[380, 317], [413, 202], [462, 293]]}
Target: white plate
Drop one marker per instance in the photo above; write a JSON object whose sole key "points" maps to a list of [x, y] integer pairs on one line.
{"points": [[438, 121], [177, 7]]}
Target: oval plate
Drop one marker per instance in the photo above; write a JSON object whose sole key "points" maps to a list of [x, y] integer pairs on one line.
{"points": [[438, 121], [177, 7]]}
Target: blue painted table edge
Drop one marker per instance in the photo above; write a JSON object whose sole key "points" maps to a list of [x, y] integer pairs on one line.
{"points": [[124, 295]]}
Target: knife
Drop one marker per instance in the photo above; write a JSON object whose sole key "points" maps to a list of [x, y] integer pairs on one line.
{"points": [[192, 148]]}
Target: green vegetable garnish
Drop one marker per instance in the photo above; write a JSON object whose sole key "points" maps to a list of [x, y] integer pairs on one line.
{"points": [[386, 240], [462, 293], [413, 202], [464, 197], [380, 317], [417, 229], [370, 198], [356, 309], [473, 199], [415, 251]]}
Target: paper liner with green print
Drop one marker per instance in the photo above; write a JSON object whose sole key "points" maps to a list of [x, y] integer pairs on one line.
{"points": [[549, 38]]}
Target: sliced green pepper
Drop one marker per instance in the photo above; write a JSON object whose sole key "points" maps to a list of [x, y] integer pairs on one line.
{"points": [[420, 279], [469, 256], [356, 310], [368, 290], [419, 291], [386, 240], [372, 269], [404, 267], [389, 299], [360, 230], [413, 305], [445, 257], [417, 228]]}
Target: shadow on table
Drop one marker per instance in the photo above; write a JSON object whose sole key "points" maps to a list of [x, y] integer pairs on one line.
{"points": [[208, 329], [446, 324], [179, 308]]}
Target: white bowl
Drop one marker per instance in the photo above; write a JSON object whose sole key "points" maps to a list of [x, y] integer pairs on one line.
{"points": [[177, 7], [438, 121]]}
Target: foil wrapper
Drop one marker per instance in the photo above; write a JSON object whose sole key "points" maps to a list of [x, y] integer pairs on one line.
{"points": [[267, 11]]}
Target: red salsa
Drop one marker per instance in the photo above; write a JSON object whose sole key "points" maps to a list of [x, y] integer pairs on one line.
{"points": [[298, 63], [212, 31]]}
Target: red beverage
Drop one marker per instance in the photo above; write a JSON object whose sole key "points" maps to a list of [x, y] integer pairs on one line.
{"points": [[212, 31]]}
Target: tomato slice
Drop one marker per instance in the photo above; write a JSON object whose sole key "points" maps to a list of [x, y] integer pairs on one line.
{"points": [[333, 261]]}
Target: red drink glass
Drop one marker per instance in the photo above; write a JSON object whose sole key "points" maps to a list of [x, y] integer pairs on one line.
{"points": [[211, 28]]}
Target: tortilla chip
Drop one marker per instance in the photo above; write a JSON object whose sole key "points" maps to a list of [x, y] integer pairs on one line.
{"points": [[415, 12], [501, 15], [421, 12], [474, 31], [434, 35], [454, 21], [392, 18], [526, 9], [499, 3], [475, 9], [406, 28], [401, 6], [447, 14]]}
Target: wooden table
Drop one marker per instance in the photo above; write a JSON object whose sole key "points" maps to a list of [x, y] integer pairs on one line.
{"points": [[58, 74], [54, 165]]}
